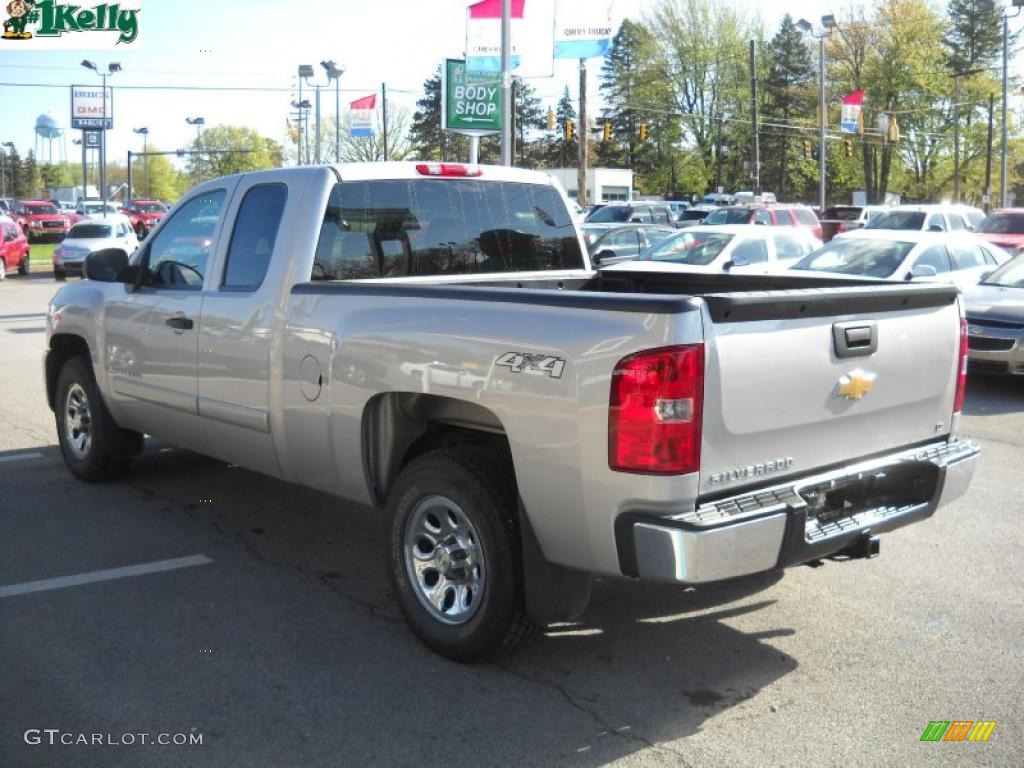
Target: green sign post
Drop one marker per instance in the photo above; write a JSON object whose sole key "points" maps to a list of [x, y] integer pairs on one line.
{"points": [[471, 101]]}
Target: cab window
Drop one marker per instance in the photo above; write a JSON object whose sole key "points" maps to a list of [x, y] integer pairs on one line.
{"points": [[252, 241], [178, 255]]}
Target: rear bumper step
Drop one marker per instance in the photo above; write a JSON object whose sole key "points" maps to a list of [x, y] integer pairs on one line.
{"points": [[796, 522]]}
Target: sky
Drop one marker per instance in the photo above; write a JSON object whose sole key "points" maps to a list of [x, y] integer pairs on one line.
{"points": [[185, 46]]}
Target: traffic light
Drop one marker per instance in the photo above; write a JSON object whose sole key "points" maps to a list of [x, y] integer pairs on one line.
{"points": [[569, 129], [607, 131], [849, 148], [552, 120], [643, 131], [808, 148]]}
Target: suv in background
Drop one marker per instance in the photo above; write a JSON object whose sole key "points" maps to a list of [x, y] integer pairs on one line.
{"points": [[845, 218], [144, 215], [613, 214], [40, 219], [1004, 228], [770, 215], [928, 218]]}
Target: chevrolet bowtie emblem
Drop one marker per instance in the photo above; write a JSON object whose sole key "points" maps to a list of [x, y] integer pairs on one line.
{"points": [[855, 384]]}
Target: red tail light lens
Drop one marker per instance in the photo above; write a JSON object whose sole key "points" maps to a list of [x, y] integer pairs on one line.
{"points": [[654, 417], [448, 169], [961, 369]]}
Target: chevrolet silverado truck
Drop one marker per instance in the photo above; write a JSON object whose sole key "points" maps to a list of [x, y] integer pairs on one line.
{"points": [[430, 339]]}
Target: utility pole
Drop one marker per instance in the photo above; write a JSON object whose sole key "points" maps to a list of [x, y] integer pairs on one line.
{"points": [[823, 119], [506, 81], [956, 138], [1003, 202], [581, 170], [718, 157], [987, 201], [384, 116], [755, 169]]}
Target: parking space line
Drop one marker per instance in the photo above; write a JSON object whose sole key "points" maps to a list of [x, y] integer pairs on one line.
{"points": [[22, 456], [106, 575]]}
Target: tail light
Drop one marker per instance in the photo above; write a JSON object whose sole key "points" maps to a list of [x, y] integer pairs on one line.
{"points": [[654, 418], [448, 169], [961, 369]]}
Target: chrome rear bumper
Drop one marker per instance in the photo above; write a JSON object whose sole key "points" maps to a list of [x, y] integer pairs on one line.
{"points": [[795, 522]]}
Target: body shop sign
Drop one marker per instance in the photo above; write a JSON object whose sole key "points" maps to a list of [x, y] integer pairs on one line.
{"points": [[88, 108]]}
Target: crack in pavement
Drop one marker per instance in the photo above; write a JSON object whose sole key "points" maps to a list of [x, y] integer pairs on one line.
{"points": [[372, 609], [608, 728]]}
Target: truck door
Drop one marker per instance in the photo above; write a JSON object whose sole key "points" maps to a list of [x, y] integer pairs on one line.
{"points": [[237, 328], [151, 334]]}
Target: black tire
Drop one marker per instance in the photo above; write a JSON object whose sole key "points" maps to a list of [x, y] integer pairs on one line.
{"points": [[23, 268], [60, 275], [481, 483], [111, 448]]}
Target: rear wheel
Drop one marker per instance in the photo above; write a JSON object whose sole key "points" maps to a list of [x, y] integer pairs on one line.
{"points": [[60, 275], [94, 447], [456, 563], [23, 268]]}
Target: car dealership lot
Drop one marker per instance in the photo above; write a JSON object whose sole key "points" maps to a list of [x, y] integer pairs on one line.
{"points": [[277, 642]]}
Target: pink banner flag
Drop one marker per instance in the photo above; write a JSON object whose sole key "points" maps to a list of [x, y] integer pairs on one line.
{"points": [[849, 121], [363, 111]]}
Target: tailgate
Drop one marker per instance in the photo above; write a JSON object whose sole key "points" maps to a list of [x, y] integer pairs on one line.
{"points": [[801, 380]]}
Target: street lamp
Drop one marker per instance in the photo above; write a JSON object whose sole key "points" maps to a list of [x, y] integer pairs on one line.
{"points": [[3, 170], [302, 107], [144, 132], [306, 71], [334, 73], [112, 67], [1003, 202], [828, 23], [198, 122]]}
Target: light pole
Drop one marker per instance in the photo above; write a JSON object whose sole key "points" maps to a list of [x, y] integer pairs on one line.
{"points": [[144, 132], [306, 71], [198, 122], [828, 23], [1003, 202], [334, 73], [302, 108], [111, 69], [3, 169]]}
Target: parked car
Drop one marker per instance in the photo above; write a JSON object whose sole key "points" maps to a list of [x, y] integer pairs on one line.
{"points": [[772, 215], [1004, 228], [40, 220], [745, 197], [14, 249], [611, 214], [846, 218], [647, 426], [928, 218], [740, 248], [91, 235], [905, 255], [6, 205], [88, 208], [609, 245], [716, 200], [144, 215], [995, 320], [692, 216]]}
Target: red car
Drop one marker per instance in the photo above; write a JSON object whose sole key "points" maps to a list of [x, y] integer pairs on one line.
{"points": [[14, 251], [40, 220], [144, 215], [768, 214], [1004, 228]]}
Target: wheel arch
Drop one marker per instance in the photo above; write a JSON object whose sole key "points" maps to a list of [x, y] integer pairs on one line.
{"points": [[63, 347]]}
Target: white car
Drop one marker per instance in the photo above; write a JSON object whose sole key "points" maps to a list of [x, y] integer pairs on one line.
{"points": [[114, 230], [740, 248], [928, 218], [962, 259]]}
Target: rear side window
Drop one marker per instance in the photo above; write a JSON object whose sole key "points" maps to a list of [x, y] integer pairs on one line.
{"points": [[956, 221], [967, 256], [934, 256], [254, 235], [754, 251], [422, 227], [807, 218]]}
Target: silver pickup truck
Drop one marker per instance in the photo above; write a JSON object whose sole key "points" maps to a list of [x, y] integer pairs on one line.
{"points": [[431, 340]]}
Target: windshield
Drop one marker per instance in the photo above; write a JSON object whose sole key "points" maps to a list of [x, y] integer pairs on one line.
{"points": [[857, 256], [729, 216], [394, 228], [89, 231], [688, 247], [35, 210], [1010, 275], [841, 214], [97, 207], [912, 220], [151, 208], [609, 214], [693, 215], [1003, 224]]}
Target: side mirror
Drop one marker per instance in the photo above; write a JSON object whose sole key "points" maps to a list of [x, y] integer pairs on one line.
{"points": [[604, 255], [922, 270], [106, 266], [735, 261], [936, 228]]}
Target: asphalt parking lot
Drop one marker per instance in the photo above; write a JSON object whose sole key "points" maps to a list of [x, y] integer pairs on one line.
{"points": [[262, 623]]}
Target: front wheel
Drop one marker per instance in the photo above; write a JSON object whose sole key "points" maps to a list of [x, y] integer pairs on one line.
{"points": [[456, 563], [94, 447]]}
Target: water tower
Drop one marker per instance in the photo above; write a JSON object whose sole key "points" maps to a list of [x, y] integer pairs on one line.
{"points": [[48, 131]]}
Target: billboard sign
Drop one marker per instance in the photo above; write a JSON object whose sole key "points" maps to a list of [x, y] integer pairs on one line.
{"points": [[89, 109]]}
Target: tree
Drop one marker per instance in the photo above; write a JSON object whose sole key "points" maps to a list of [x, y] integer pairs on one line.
{"points": [[427, 140], [371, 148], [559, 151], [974, 33], [624, 74], [248, 152], [789, 97], [156, 177], [529, 118]]}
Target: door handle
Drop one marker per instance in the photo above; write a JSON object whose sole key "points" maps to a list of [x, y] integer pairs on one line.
{"points": [[180, 323]]}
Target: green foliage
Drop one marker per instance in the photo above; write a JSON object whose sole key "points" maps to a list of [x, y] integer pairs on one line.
{"points": [[258, 153], [973, 36]]}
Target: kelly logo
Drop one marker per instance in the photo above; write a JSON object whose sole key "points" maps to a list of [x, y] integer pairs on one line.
{"points": [[52, 19]]}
